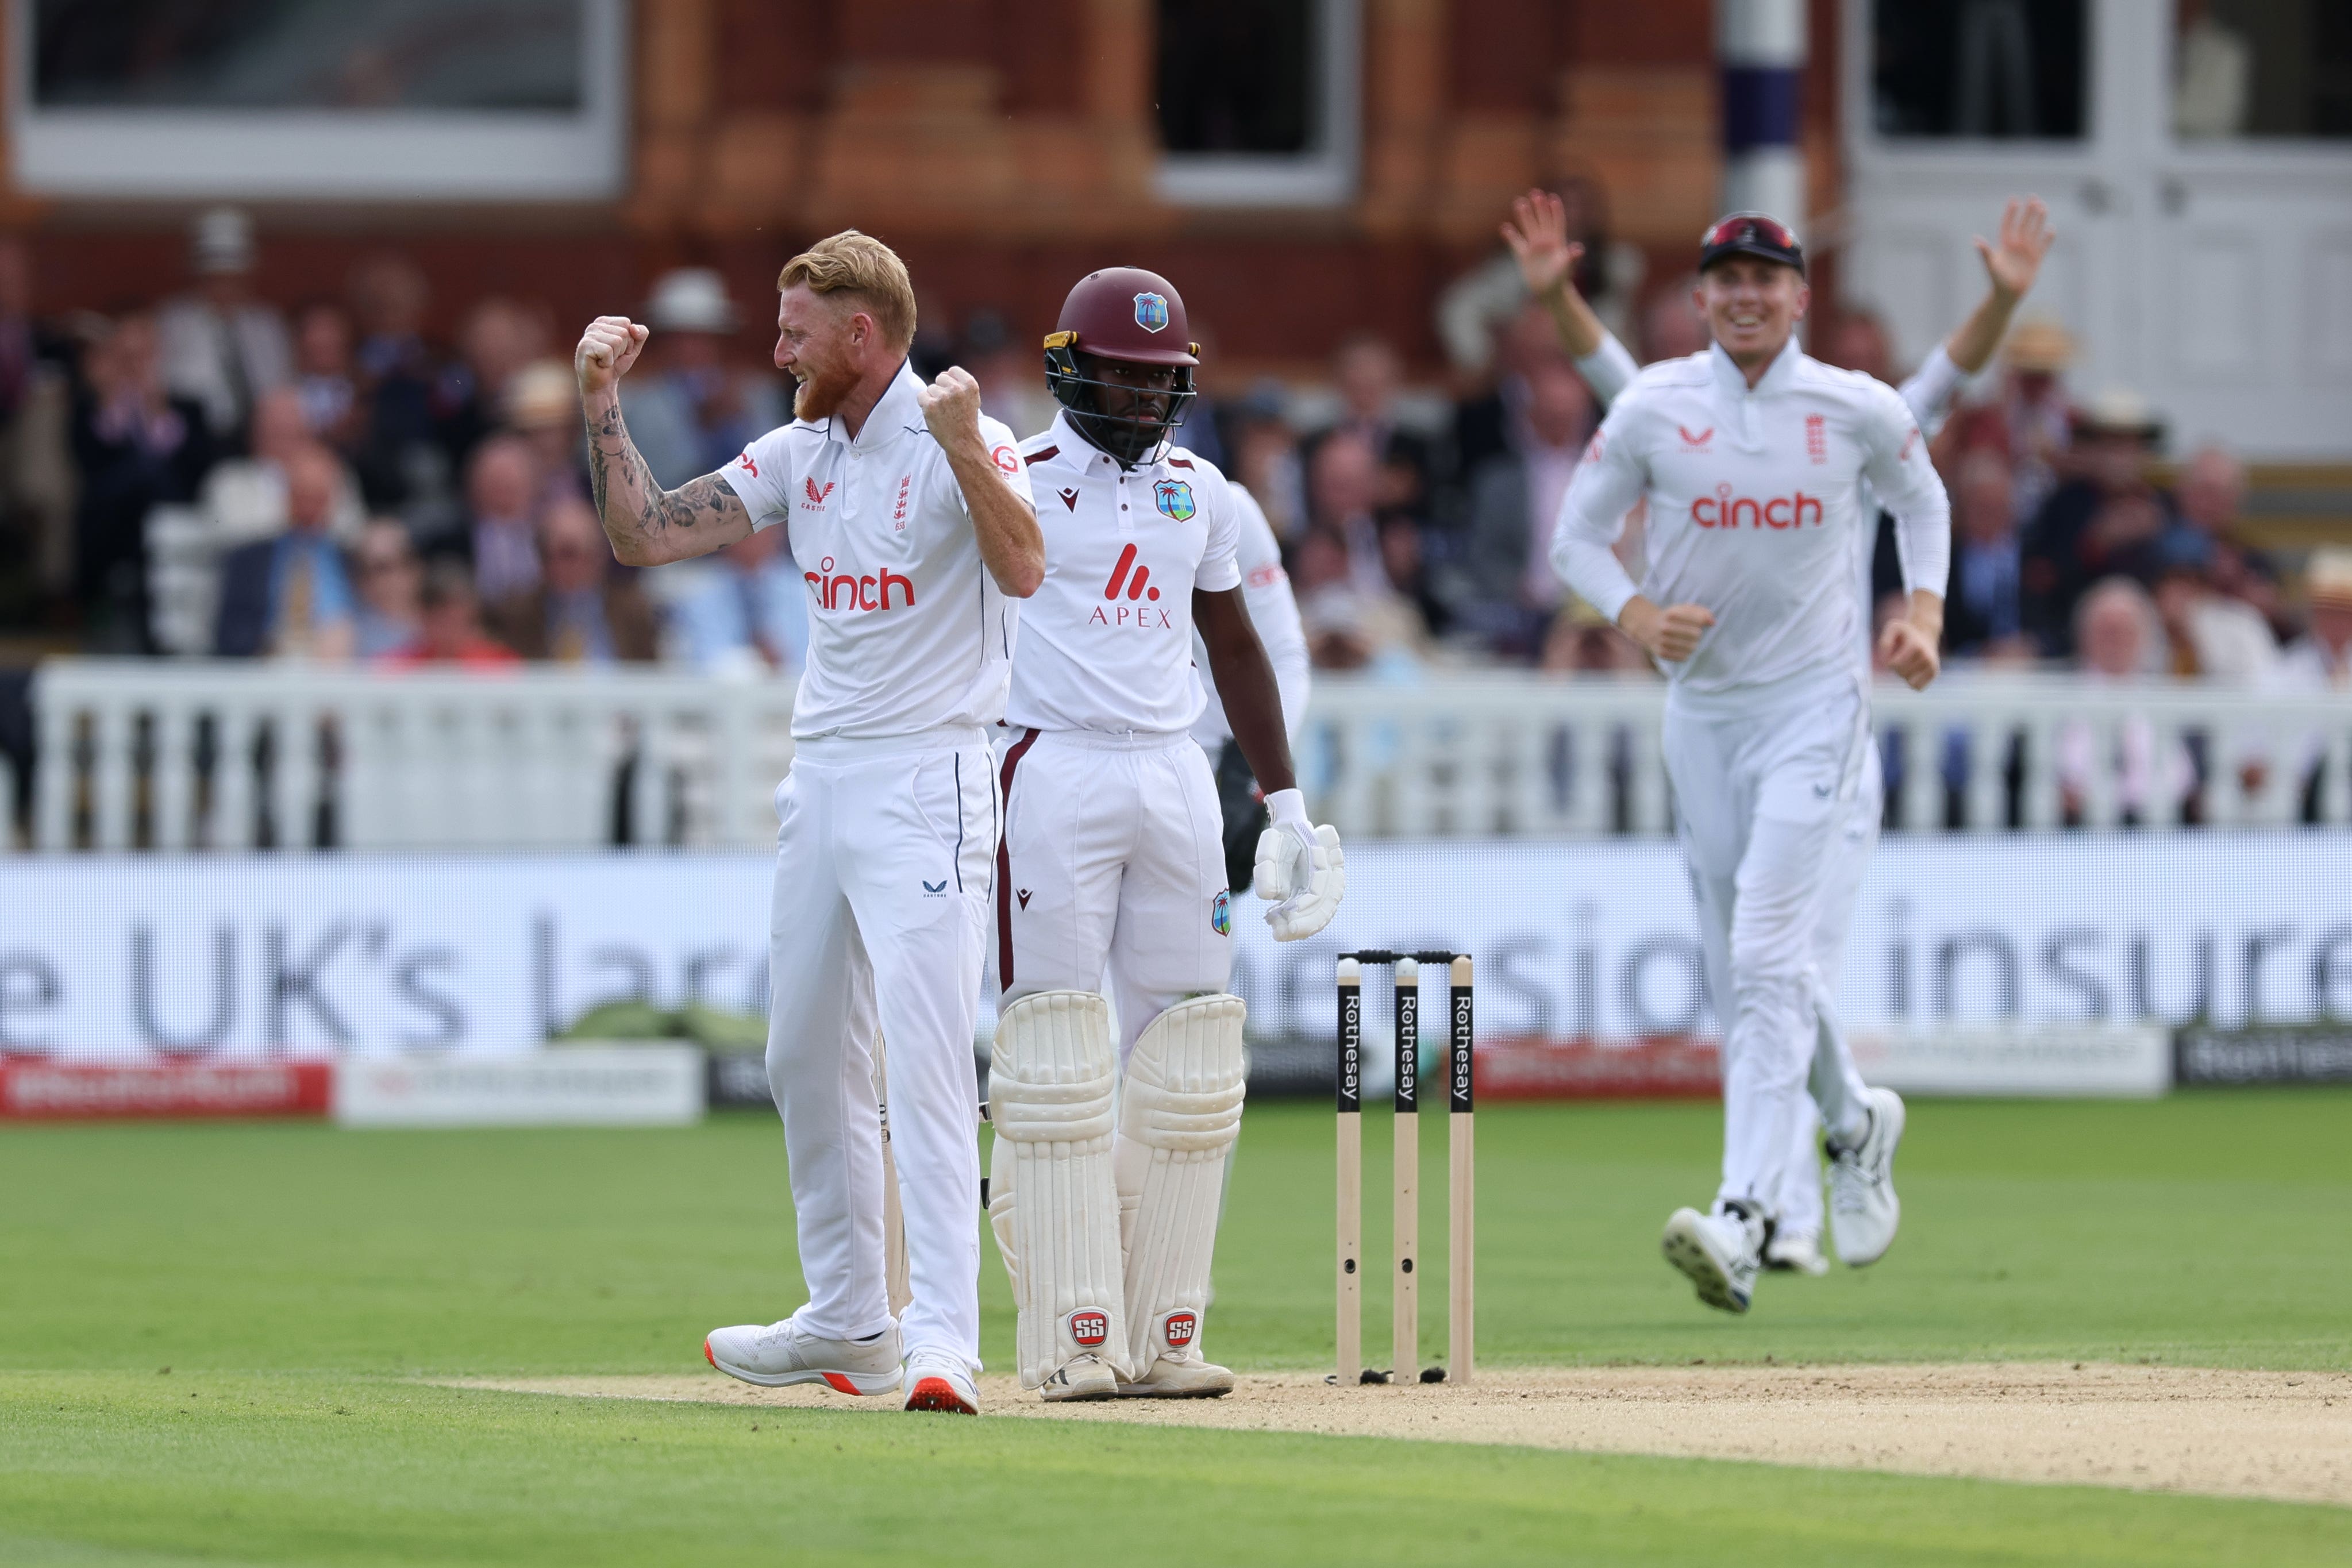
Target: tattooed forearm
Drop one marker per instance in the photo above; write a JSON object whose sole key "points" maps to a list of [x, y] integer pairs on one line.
{"points": [[647, 524]]}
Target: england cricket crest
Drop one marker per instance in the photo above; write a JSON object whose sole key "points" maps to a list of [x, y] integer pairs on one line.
{"points": [[1151, 312], [1174, 497]]}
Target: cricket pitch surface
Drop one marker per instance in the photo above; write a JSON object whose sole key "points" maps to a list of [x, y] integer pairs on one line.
{"points": [[2224, 1433]]}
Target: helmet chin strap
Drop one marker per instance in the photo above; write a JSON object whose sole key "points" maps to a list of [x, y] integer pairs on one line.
{"points": [[1123, 441]]}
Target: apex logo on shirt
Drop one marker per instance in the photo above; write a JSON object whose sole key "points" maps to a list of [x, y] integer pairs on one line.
{"points": [[870, 591], [1139, 607], [815, 502], [1697, 443], [1069, 499], [1724, 510], [1023, 894], [1137, 588]]}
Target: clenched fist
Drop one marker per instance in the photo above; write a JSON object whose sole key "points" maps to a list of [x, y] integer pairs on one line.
{"points": [[1672, 634], [607, 349], [1910, 652], [951, 408]]}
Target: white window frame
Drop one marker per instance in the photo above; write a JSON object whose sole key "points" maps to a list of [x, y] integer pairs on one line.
{"points": [[350, 155], [1325, 175]]}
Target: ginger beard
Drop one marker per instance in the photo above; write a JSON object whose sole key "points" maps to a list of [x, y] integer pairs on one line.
{"points": [[818, 339], [1752, 306]]}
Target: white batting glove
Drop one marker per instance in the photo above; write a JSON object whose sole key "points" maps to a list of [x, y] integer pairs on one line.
{"points": [[1302, 872]]}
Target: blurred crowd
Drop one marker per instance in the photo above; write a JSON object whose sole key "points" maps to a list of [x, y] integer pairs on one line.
{"points": [[217, 474]]}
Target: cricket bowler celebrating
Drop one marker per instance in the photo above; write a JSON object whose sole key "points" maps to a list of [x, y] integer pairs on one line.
{"points": [[911, 515], [1753, 457], [1109, 1160], [1547, 258]]}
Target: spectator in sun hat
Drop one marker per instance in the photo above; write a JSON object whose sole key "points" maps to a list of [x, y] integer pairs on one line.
{"points": [[220, 345], [2036, 417], [2318, 663], [2109, 518], [699, 407]]}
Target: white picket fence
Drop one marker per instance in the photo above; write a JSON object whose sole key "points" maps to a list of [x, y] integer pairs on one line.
{"points": [[202, 756]]}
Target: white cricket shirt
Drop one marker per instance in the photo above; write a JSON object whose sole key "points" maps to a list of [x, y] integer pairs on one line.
{"points": [[1756, 508], [908, 631], [1273, 612], [1107, 641]]}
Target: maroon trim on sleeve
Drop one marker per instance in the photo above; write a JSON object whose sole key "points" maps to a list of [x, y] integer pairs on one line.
{"points": [[1004, 895]]}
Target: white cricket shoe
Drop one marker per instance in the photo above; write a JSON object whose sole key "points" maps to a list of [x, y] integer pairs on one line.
{"points": [[784, 1352], [1188, 1377], [943, 1383], [1795, 1252], [1720, 1253], [1085, 1376], [1864, 1209]]}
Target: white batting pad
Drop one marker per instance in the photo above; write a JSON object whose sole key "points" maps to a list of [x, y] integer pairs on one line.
{"points": [[1049, 1091], [1180, 1112]]}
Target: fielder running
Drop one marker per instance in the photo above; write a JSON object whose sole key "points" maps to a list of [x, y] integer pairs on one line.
{"points": [[1109, 1160], [1547, 258], [911, 513], [1752, 457]]}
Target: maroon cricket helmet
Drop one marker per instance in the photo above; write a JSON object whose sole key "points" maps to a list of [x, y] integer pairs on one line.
{"points": [[1136, 317]]}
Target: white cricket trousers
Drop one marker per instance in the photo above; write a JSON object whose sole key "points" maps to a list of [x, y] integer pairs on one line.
{"points": [[879, 926], [1765, 784], [1113, 863]]}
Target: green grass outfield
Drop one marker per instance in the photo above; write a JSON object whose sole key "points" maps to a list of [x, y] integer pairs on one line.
{"points": [[297, 1281]]}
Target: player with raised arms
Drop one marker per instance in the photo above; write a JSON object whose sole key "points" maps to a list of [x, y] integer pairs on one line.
{"points": [[1537, 237], [911, 513], [1111, 873], [1753, 459]]}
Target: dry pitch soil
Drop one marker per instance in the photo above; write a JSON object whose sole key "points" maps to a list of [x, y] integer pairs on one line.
{"points": [[2283, 1434]]}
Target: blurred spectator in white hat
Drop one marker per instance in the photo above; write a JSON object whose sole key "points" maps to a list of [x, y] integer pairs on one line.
{"points": [[2035, 415], [2319, 663], [222, 347], [696, 409], [741, 612], [2108, 518], [542, 409]]}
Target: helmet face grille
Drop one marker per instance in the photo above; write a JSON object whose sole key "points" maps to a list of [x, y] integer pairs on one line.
{"points": [[1129, 439]]}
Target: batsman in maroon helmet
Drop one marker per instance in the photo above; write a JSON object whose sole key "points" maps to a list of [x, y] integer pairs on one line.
{"points": [[1110, 871]]}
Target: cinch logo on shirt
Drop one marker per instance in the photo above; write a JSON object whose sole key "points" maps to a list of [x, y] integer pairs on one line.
{"points": [[1724, 510], [870, 591]]}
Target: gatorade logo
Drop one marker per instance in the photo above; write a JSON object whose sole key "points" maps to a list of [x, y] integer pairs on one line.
{"points": [[1181, 1329], [1090, 1327]]}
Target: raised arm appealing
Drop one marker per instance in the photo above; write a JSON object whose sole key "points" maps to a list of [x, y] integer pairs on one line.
{"points": [[648, 525], [1003, 520], [1537, 237], [2010, 267]]}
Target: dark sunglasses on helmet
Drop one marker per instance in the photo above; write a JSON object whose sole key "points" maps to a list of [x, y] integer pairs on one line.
{"points": [[1750, 234]]}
